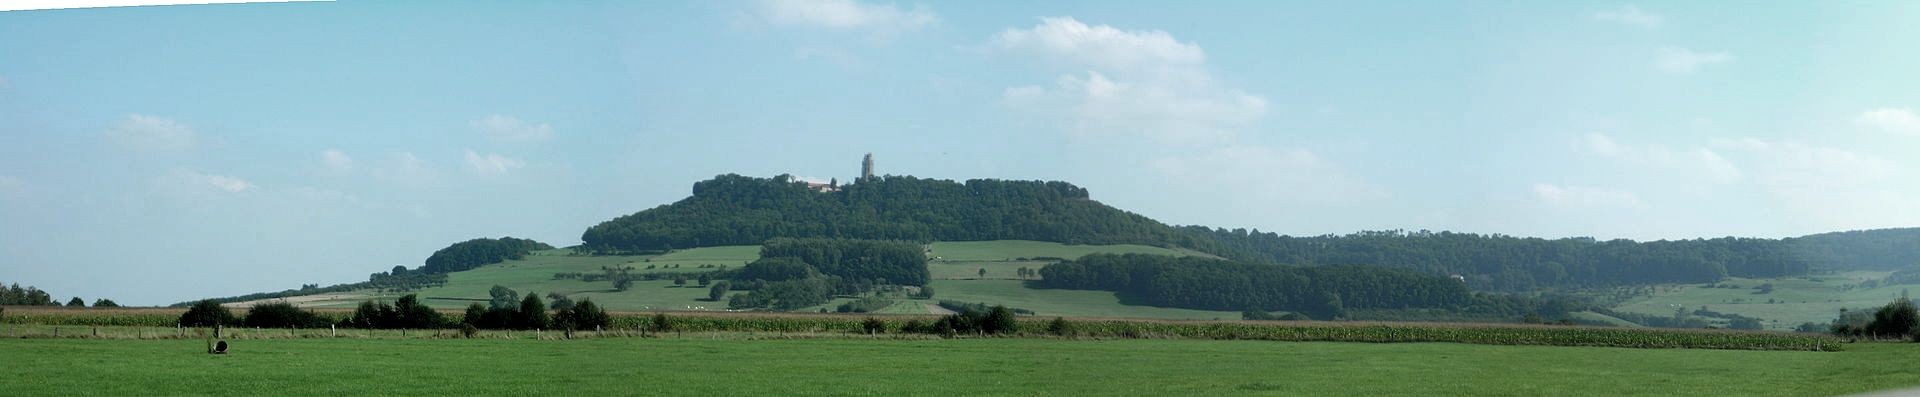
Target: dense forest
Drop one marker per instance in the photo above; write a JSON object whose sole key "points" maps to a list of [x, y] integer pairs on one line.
{"points": [[739, 210], [1322, 292], [477, 252], [1507, 263], [886, 262]]}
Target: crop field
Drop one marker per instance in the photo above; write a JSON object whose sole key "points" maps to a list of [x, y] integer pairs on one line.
{"points": [[991, 366], [1794, 300]]}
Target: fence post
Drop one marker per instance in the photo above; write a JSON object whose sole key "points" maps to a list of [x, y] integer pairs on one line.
{"points": [[333, 331]]}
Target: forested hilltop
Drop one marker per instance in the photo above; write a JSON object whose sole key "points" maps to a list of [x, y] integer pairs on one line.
{"points": [[738, 210], [1508, 263]]}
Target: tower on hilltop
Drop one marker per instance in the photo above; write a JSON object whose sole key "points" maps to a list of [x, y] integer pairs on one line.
{"points": [[866, 167]]}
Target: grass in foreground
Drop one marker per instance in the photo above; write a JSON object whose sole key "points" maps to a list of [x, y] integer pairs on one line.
{"points": [[694, 366]]}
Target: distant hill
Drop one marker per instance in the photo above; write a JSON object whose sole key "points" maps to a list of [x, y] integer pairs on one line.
{"points": [[739, 210]]}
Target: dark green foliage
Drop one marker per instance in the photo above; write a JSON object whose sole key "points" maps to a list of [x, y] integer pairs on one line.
{"points": [[28, 296], [76, 302], [502, 297], [718, 290], [584, 316], [993, 321], [893, 262], [481, 251], [958, 306], [1210, 284], [379, 281], [282, 315], [103, 302], [1507, 263], [468, 330], [864, 305], [706, 279], [873, 326], [776, 269], [1745, 323], [560, 302], [532, 313], [405, 313], [1895, 320], [738, 210], [1059, 327], [925, 292], [662, 323], [786, 295], [207, 313], [475, 316]]}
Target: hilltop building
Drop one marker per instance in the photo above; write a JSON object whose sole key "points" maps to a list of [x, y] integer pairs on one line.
{"points": [[866, 168]]}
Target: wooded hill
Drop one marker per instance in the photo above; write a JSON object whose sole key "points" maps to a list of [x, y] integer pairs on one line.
{"points": [[739, 210]]}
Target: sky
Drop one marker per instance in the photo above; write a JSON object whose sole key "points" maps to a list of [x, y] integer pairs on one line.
{"points": [[154, 155]]}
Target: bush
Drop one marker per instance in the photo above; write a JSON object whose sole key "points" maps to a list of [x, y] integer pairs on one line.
{"points": [[1895, 320], [207, 313], [1059, 327], [468, 330], [662, 323], [874, 326], [282, 315], [585, 315]]}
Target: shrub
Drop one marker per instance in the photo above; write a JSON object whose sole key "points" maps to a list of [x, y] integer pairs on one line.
{"points": [[874, 326], [468, 330], [282, 315], [207, 313], [1059, 327], [1895, 320], [662, 323]]}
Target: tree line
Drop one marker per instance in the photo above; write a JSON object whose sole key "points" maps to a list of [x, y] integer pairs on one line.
{"points": [[15, 295], [738, 210], [506, 311], [797, 273], [478, 252], [1322, 292]]}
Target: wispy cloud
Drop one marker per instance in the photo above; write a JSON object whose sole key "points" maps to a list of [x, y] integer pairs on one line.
{"points": [[845, 15], [149, 133], [501, 128], [1585, 197], [1144, 83], [182, 180], [492, 164], [336, 160], [1630, 15], [1895, 120], [1678, 60], [1699, 162]]}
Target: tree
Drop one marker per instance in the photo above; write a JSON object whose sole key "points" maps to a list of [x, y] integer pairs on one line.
{"points": [[410, 313], [999, 320], [533, 313], [679, 280], [475, 316], [1895, 320], [662, 323], [587, 314], [206, 313], [718, 290], [282, 315], [560, 302], [983, 272], [503, 297], [1059, 327], [705, 279], [103, 302], [622, 283], [76, 302]]}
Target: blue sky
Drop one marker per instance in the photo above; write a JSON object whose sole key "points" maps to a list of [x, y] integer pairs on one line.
{"points": [[159, 154]]}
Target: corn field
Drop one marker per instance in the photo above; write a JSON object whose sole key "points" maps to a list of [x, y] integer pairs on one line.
{"points": [[37, 322]]}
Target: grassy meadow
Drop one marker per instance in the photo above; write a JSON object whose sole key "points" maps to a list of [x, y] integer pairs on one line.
{"points": [[1794, 300], [992, 366]]}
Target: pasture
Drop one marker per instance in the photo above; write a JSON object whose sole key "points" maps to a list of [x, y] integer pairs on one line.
{"points": [[700, 365], [1793, 300]]}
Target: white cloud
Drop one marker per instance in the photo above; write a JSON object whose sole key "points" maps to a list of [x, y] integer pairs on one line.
{"points": [[1895, 120], [1631, 15], [336, 160], [1265, 175], [148, 133], [845, 15], [405, 168], [1584, 197], [509, 129], [492, 164], [1102, 46], [1140, 83], [11, 186], [1678, 60], [1701, 162], [188, 181]]}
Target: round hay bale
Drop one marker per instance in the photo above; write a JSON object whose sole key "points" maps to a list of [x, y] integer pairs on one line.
{"points": [[220, 347]]}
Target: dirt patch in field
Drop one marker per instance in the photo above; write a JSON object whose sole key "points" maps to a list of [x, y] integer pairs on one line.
{"points": [[298, 301], [935, 308]]}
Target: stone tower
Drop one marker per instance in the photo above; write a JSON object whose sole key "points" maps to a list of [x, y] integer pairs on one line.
{"points": [[866, 168]]}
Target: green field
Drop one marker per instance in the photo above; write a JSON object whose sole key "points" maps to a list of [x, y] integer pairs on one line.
{"points": [[1006, 250], [956, 277], [697, 366], [1795, 300]]}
